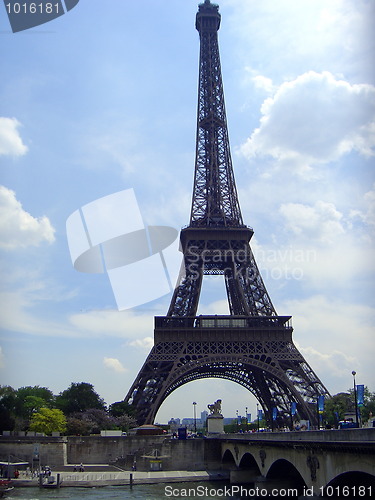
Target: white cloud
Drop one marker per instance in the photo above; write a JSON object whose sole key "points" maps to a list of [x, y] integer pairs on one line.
{"points": [[299, 266], [321, 222], [263, 82], [370, 202], [260, 82], [146, 343], [124, 324], [18, 228], [335, 336], [277, 38], [315, 119], [19, 313], [114, 364], [337, 363], [367, 215], [10, 141]]}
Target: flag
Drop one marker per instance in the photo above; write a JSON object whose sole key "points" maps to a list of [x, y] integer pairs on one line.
{"points": [[321, 404], [293, 408], [274, 413], [360, 395]]}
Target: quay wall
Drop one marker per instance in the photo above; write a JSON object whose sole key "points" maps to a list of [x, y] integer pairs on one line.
{"points": [[35, 450], [121, 451], [125, 451]]}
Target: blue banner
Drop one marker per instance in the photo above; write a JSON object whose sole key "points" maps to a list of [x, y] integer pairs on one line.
{"points": [[360, 395], [293, 408], [260, 414], [321, 404], [274, 413], [249, 418]]}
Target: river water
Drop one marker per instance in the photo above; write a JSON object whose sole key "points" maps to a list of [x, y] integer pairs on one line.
{"points": [[201, 490], [206, 490]]}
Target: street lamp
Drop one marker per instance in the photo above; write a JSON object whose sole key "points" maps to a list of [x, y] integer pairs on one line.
{"points": [[355, 398], [195, 417]]}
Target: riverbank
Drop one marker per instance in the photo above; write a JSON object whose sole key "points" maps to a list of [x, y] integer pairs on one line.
{"points": [[103, 477]]}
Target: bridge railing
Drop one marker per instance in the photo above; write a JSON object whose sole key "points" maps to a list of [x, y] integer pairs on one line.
{"points": [[364, 435]]}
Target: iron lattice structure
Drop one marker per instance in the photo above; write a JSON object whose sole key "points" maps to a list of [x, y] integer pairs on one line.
{"points": [[251, 346]]}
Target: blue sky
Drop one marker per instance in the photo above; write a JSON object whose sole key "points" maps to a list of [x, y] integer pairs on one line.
{"points": [[104, 98]]}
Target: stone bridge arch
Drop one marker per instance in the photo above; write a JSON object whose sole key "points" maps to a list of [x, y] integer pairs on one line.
{"points": [[228, 459], [354, 481], [316, 464], [285, 474], [243, 467]]}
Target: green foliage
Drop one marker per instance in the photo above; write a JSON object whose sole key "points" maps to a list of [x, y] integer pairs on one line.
{"points": [[25, 408], [78, 398], [93, 421], [343, 403], [7, 407], [29, 399], [48, 420], [368, 409], [17, 406], [98, 420], [33, 404], [120, 408], [340, 403]]}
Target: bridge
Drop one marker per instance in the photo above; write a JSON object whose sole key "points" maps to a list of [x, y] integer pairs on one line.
{"points": [[335, 462]]}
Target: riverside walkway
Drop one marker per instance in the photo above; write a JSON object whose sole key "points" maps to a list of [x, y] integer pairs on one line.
{"points": [[104, 477]]}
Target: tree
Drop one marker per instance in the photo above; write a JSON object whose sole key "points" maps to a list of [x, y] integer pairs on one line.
{"points": [[17, 406], [29, 399], [77, 426], [33, 404], [48, 420], [93, 421], [121, 408], [126, 422], [99, 420], [336, 407], [343, 403], [368, 404], [7, 408], [78, 398]]}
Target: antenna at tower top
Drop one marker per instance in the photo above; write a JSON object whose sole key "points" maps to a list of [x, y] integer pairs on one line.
{"points": [[208, 16], [207, 3]]}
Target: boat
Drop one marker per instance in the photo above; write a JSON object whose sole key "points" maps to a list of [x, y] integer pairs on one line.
{"points": [[50, 482], [5, 487]]}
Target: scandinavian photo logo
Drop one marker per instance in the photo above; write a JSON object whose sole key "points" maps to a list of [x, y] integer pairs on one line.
{"points": [[109, 235], [26, 14]]}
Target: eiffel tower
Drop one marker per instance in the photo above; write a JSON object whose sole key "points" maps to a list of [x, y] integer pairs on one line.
{"points": [[251, 346]]}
